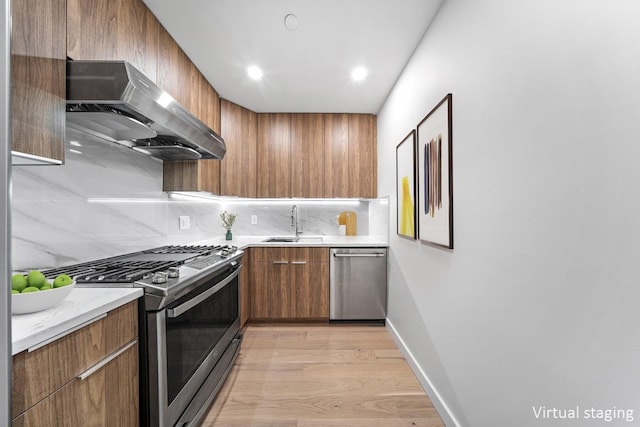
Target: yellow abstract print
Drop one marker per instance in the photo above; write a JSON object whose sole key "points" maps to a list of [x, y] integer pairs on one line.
{"points": [[406, 220]]}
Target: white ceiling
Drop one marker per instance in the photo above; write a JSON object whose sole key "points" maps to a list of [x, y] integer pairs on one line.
{"points": [[306, 70]]}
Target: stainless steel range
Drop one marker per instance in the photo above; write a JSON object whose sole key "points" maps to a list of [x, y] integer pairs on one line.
{"points": [[189, 323]]}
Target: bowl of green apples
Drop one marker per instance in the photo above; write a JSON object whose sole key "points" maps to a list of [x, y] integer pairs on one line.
{"points": [[32, 292]]}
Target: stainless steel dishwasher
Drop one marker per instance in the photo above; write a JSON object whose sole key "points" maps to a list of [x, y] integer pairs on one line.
{"points": [[358, 285]]}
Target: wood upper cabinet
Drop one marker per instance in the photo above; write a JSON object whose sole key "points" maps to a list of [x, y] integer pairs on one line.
{"points": [[289, 283], [274, 156], [362, 156], [336, 164], [89, 377], [38, 78], [350, 155], [114, 30], [197, 175], [307, 155], [238, 168], [174, 69]]}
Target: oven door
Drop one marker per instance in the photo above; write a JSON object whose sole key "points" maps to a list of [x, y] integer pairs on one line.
{"points": [[189, 337]]}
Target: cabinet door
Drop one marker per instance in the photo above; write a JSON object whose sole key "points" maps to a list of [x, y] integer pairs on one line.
{"points": [[274, 169], [113, 30], [310, 282], [38, 82], [238, 168], [174, 69], [336, 166], [307, 155], [271, 296], [362, 156]]}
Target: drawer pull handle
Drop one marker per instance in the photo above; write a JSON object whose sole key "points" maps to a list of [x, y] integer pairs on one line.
{"points": [[92, 370], [298, 262], [281, 262]]}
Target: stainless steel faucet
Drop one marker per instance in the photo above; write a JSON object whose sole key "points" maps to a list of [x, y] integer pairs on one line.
{"points": [[294, 218]]}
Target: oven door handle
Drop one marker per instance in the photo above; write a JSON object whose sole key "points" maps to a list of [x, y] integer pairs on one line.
{"points": [[174, 312]]}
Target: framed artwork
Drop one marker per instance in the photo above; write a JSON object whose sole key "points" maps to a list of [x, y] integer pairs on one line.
{"points": [[406, 186], [435, 176]]}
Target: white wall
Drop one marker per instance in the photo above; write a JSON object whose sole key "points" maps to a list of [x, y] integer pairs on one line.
{"points": [[538, 302]]}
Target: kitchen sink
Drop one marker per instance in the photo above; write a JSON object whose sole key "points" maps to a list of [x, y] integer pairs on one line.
{"points": [[282, 239], [293, 239]]}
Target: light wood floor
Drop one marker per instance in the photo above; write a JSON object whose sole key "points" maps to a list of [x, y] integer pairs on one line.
{"points": [[321, 375]]}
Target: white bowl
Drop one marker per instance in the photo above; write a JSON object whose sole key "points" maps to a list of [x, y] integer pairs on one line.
{"points": [[41, 300]]}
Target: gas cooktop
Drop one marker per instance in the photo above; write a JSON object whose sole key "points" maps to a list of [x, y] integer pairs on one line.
{"points": [[141, 265]]}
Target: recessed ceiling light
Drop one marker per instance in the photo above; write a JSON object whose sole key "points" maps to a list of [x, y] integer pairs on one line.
{"points": [[359, 74], [291, 22], [254, 72]]}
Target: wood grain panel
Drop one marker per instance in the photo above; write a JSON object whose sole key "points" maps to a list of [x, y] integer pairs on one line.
{"points": [[49, 372], [238, 168], [121, 390], [180, 175], [31, 379], [245, 288], [80, 402], [121, 326], [79, 350], [119, 30], [39, 415], [362, 156], [307, 155], [38, 82], [273, 163], [336, 165], [174, 69]]}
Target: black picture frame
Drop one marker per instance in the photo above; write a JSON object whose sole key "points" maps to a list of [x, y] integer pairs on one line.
{"points": [[435, 175]]}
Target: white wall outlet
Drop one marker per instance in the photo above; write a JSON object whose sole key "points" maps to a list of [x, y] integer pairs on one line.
{"points": [[185, 222], [254, 219]]}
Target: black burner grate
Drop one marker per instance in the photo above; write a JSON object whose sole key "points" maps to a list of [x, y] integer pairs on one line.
{"points": [[129, 268]]}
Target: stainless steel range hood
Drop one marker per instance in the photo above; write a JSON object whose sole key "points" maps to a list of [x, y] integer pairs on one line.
{"points": [[115, 101]]}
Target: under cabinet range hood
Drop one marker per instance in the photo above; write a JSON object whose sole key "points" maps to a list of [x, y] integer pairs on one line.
{"points": [[116, 102]]}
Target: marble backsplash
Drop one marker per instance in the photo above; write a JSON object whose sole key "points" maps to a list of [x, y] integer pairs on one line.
{"points": [[107, 200]]}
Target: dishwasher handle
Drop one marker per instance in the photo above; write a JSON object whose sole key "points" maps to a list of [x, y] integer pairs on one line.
{"points": [[376, 255]]}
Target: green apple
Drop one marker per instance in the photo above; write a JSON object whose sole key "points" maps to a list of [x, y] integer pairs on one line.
{"points": [[18, 282], [62, 280], [15, 291], [30, 289], [45, 287], [36, 279]]}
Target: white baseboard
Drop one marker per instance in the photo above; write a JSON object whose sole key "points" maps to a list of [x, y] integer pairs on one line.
{"points": [[438, 403]]}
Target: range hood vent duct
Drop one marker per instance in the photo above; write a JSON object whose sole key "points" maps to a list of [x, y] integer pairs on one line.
{"points": [[116, 102]]}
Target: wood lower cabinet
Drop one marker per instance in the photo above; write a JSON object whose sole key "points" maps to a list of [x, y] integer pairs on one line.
{"points": [[89, 377], [38, 79], [289, 283], [245, 288]]}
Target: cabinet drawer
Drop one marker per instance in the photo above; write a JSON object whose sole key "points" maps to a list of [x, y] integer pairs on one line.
{"points": [[107, 396], [39, 373], [289, 254]]}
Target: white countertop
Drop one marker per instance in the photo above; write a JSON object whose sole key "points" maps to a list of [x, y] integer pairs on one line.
{"points": [[80, 307], [85, 304], [243, 242]]}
